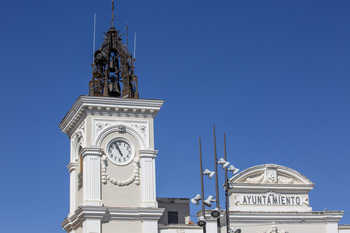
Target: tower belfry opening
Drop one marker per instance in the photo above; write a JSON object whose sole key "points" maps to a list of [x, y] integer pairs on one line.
{"points": [[113, 68]]}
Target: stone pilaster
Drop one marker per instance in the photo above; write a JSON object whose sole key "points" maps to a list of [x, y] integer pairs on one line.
{"points": [[92, 176], [148, 178]]}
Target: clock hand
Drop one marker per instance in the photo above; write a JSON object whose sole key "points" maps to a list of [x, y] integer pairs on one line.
{"points": [[121, 154]]}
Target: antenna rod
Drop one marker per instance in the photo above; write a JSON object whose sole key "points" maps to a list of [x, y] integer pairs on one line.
{"points": [[93, 43], [135, 46], [127, 35], [112, 13]]}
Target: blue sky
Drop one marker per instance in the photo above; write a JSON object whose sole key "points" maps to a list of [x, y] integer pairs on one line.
{"points": [[273, 75]]}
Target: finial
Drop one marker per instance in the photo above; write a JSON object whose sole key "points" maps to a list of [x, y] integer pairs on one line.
{"points": [[112, 13]]}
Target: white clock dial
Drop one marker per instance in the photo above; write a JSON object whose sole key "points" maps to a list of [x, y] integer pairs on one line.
{"points": [[120, 152]]}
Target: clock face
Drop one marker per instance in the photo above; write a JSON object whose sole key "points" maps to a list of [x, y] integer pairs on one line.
{"points": [[120, 152]]}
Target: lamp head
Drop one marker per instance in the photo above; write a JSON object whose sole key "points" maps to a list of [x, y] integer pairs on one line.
{"points": [[233, 169], [201, 221], [234, 230], [223, 162], [210, 174], [209, 200], [215, 213], [196, 199]]}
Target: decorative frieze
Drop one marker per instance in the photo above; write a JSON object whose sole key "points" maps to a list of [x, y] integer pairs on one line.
{"points": [[139, 128]]}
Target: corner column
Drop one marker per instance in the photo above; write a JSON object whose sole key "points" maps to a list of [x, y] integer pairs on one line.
{"points": [[148, 178], [92, 176], [72, 168]]}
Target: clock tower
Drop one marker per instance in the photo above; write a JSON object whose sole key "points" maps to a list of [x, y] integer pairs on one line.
{"points": [[112, 155]]}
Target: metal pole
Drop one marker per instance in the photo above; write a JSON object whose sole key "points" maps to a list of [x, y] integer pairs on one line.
{"points": [[216, 182], [226, 192], [202, 185]]}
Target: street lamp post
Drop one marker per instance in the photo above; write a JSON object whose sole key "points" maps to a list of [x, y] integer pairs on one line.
{"points": [[216, 212], [234, 170], [226, 192], [216, 183], [202, 185], [201, 221]]}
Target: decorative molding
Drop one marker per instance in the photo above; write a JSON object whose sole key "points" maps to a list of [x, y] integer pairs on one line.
{"points": [[148, 153], [286, 216], [134, 178], [139, 129], [91, 151], [72, 166], [142, 128]]}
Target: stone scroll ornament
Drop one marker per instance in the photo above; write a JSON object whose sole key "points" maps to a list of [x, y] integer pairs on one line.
{"points": [[134, 178], [274, 230]]}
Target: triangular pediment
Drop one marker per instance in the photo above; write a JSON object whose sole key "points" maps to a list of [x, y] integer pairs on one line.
{"points": [[270, 174]]}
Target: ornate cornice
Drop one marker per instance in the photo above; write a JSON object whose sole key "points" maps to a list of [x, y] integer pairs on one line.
{"points": [[141, 108], [290, 217], [112, 213]]}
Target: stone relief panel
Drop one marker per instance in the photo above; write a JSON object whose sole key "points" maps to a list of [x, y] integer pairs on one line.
{"points": [[270, 175], [101, 126]]}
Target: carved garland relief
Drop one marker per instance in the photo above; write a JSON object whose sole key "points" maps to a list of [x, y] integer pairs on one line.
{"points": [[134, 178]]}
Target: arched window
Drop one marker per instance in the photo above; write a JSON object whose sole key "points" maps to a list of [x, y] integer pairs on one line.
{"points": [[80, 174]]}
